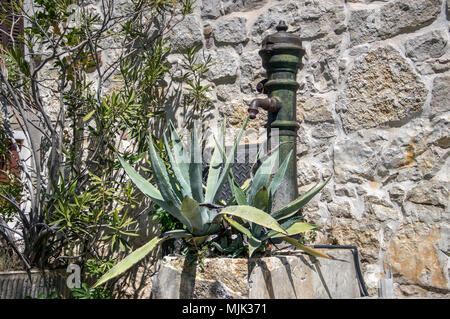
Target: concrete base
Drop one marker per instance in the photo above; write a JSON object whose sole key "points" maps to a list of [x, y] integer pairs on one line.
{"points": [[280, 277]]}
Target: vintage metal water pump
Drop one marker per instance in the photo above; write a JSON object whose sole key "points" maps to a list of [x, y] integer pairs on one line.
{"points": [[281, 55]]}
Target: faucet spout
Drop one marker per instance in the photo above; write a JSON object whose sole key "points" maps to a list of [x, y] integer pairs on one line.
{"points": [[269, 104]]}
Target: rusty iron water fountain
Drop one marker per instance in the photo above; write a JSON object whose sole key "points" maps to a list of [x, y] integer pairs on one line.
{"points": [[281, 55]]}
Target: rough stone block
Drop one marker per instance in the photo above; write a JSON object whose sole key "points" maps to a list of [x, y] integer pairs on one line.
{"points": [[225, 65], [357, 156], [232, 30], [211, 9], [391, 19], [381, 89], [218, 278], [308, 19], [316, 110], [430, 193], [415, 258], [186, 34], [440, 100], [429, 45], [303, 277]]}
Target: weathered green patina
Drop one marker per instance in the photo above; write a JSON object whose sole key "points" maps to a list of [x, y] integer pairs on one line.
{"points": [[281, 55]]}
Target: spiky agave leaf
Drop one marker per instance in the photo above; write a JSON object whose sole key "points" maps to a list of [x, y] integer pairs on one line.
{"points": [[291, 208], [237, 191], [215, 167], [165, 186], [138, 255], [177, 170], [253, 242], [195, 168], [180, 155], [309, 250], [228, 161], [261, 199], [260, 180], [293, 229], [279, 175], [152, 192], [193, 212], [262, 175], [252, 214]]}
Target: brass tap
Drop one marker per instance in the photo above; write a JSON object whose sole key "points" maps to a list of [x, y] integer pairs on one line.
{"points": [[269, 104]]}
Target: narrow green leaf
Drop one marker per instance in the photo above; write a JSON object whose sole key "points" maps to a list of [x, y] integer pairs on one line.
{"points": [[185, 187], [138, 255], [279, 175], [213, 176], [238, 193], [162, 177], [261, 199], [180, 155], [253, 242], [191, 210], [145, 187], [177, 233], [229, 159], [291, 208], [253, 215], [129, 261], [195, 168], [262, 175], [167, 171], [294, 229], [214, 172], [246, 184], [72, 188], [253, 245], [309, 250], [261, 179], [300, 227], [88, 116]]}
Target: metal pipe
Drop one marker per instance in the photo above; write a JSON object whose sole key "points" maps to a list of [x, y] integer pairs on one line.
{"points": [[362, 284]]}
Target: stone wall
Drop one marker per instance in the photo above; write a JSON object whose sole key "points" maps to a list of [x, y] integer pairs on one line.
{"points": [[373, 105]]}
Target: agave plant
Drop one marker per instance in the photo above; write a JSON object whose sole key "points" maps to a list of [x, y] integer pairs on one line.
{"points": [[181, 193], [259, 192]]}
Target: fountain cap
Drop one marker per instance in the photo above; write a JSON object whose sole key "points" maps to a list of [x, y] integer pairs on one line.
{"points": [[281, 37], [281, 26]]}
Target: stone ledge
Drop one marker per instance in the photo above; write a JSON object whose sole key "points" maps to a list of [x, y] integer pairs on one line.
{"points": [[279, 277]]}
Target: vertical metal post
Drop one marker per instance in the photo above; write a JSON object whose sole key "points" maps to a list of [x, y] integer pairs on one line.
{"points": [[281, 55]]}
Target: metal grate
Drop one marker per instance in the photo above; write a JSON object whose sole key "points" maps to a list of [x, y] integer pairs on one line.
{"points": [[240, 168]]}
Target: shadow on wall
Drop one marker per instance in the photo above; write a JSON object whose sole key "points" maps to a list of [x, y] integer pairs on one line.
{"points": [[288, 280]]}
